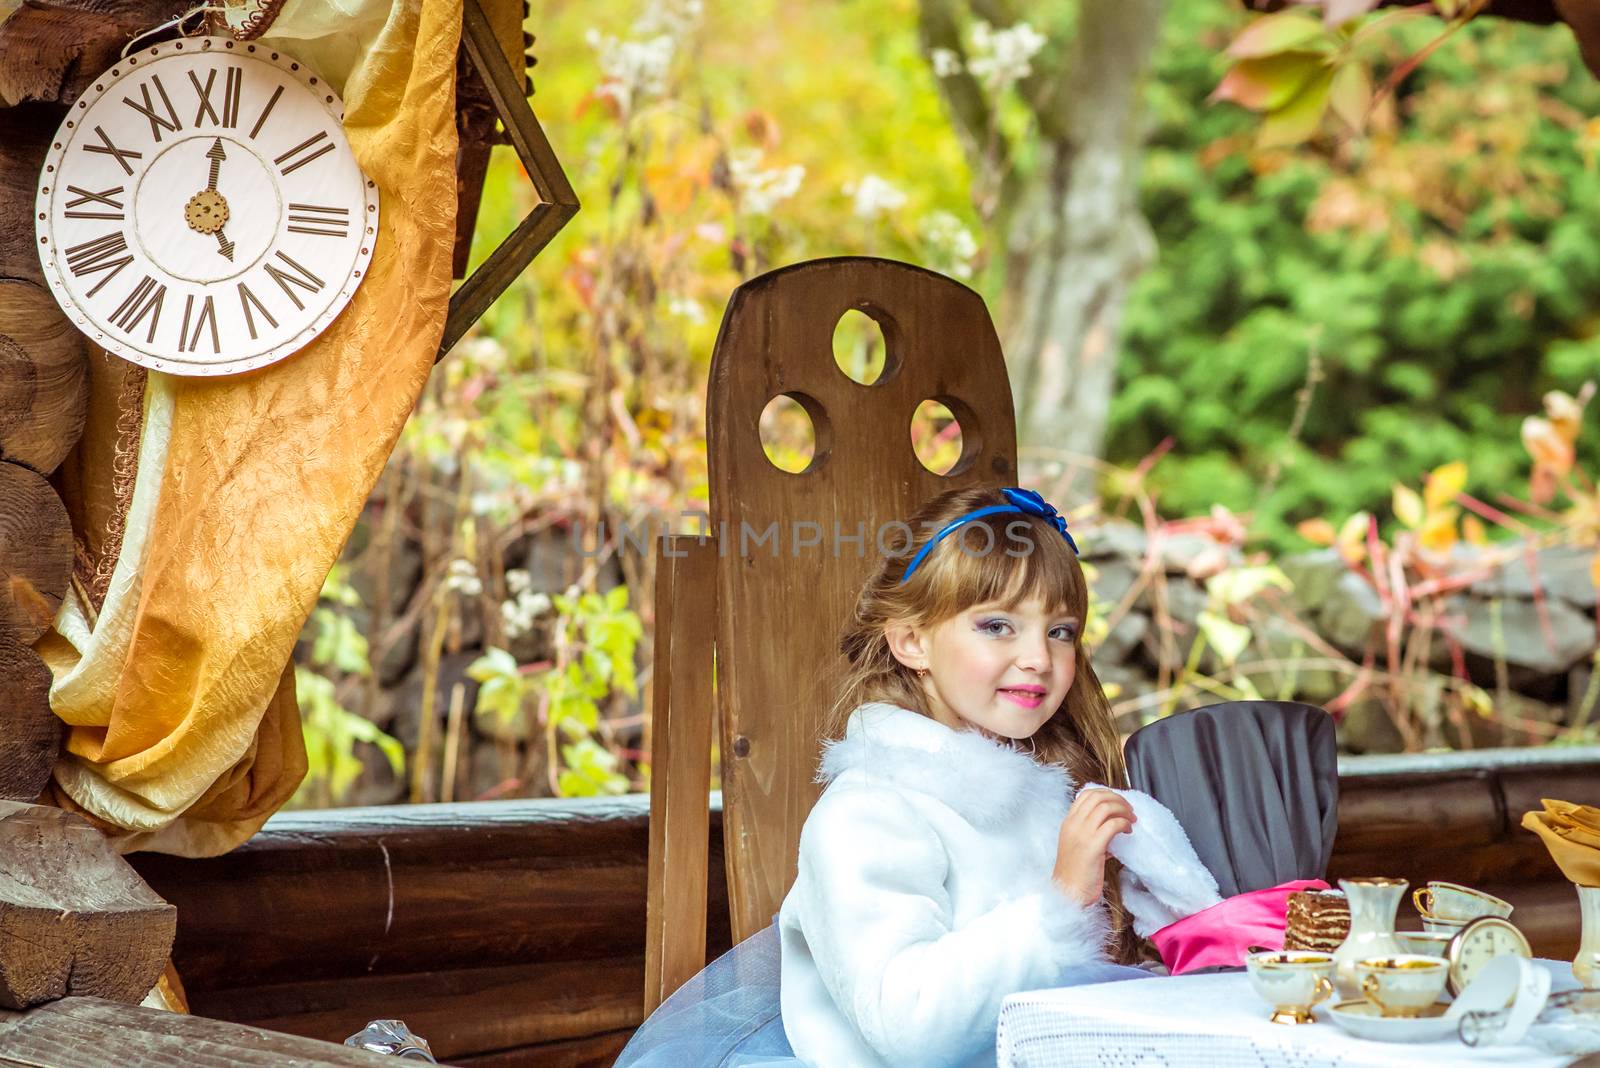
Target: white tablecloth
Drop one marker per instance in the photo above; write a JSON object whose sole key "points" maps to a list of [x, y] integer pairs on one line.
{"points": [[1203, 1020]]}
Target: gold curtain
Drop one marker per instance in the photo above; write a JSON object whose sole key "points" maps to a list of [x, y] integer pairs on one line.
{"points": [[184, 732]]}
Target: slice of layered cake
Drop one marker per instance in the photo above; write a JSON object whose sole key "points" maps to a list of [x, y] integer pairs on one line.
{"points": [[1319, 920]]}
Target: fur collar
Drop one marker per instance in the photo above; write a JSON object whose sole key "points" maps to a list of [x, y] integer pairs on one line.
{"points": [[987, 782]]}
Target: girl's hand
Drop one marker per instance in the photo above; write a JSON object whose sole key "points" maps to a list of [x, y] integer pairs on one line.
{"points": [[1096, 817]]}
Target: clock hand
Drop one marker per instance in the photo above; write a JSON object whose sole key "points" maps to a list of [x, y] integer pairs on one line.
{"points": [[216, 155], [207, 211]]}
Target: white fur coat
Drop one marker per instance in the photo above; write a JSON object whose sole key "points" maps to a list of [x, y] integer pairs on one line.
{"points": [[924, 895]]}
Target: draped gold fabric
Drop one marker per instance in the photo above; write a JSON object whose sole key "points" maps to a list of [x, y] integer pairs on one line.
{"points": [[1572, 834], [184, 733]]}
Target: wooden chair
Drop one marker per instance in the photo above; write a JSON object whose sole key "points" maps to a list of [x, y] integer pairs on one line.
{"points": [[765, 607]]}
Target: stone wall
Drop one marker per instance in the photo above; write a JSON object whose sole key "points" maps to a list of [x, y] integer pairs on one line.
{"points": [[1487, 646]]}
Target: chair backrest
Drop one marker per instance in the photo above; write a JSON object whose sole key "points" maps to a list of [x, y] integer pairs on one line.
{"points": [[1255, 785], [786, 573]]}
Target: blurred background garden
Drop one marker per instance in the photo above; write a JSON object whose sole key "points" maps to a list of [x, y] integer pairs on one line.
{"points": [[1301, 317]]}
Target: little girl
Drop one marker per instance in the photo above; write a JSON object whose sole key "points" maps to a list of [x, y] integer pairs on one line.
{"points": [[950, 861], [953, 859]]}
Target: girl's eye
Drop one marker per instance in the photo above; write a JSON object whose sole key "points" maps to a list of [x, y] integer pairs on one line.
{"points": [[1066, 632], [994, 626]]}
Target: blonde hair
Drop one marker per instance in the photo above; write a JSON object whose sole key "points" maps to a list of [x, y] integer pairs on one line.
{"points": [[1018, 557]]}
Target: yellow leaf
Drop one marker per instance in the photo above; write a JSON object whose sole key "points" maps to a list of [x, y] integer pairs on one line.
{"points": [[1353, 537], [1317, 531], [1566, 414], [1444, 482], [1473, 531], [1439, 530], [1477, 699], [1228, 638], [1594, 569], [1548, 447], [1351, 95], [1407, 506]]}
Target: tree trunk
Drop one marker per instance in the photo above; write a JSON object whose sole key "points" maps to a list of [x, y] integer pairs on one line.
{"points": [[1075, 237]]}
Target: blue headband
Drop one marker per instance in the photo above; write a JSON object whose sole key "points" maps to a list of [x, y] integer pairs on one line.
{"points": [[1023, 502]]}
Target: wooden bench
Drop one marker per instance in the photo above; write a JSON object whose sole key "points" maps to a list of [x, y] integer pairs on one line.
{"points": [[512, 932]]}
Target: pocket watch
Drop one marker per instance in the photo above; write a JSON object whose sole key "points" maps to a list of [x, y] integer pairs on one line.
{"points": [[1478, 943]]}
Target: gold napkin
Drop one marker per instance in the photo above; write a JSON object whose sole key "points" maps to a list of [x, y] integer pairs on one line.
{"points": [[1572, 834]]}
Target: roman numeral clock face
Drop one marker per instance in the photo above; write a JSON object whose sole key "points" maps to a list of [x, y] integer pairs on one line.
{"points": [[200, 211]]}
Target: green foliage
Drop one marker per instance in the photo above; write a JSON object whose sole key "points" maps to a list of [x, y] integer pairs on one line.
{"points": [[1440, 273], [332, 731], [597, 639]]}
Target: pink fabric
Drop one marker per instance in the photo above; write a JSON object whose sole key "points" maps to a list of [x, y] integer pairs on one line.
{"points": [[1223, 934]]}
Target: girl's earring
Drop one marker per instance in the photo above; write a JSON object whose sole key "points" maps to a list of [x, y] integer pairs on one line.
{"points": [[922, 672]]}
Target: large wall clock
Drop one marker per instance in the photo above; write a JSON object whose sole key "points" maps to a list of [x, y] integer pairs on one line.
{"points": [[200, 211]]}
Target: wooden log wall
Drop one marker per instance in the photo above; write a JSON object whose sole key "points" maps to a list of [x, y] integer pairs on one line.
{"points": [[44, 393], [512, 933]]}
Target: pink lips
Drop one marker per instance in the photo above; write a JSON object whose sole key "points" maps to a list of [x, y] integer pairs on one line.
{"points": [[1029, 697]]}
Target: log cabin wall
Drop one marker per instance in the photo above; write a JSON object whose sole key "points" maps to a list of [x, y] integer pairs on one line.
{"points": [[512, 933]]}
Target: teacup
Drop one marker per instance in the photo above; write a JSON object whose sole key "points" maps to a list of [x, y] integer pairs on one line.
{"points": [[1434, 925], [1424, 943], [1452, 901], [1291, 981], [1403, 985]]}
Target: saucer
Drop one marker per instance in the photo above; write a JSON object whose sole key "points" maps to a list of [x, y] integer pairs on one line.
{"points": [[1364, 1020]]}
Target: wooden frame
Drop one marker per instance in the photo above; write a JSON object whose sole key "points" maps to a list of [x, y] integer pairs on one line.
{"points": [[557, 202]]}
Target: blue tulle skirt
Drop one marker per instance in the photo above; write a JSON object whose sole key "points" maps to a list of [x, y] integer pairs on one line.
{"points": [[729, 1015]]}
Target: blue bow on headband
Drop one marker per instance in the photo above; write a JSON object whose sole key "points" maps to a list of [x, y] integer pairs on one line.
{"points": [[1024, 501]]}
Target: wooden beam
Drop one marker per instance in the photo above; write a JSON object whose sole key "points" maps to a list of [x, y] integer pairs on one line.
{"points": [[74, 918], [405, 889], [680, 803], [459, 1011]]}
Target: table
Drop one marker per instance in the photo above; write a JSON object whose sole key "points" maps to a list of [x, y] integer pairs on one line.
{"points": [[1199, 1021]]}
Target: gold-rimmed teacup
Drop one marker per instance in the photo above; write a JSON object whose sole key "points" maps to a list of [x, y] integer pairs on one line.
{"points": [[1292, 981], [1424, 943], [1434, 925], [1452, 901], [1405, 984]]}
